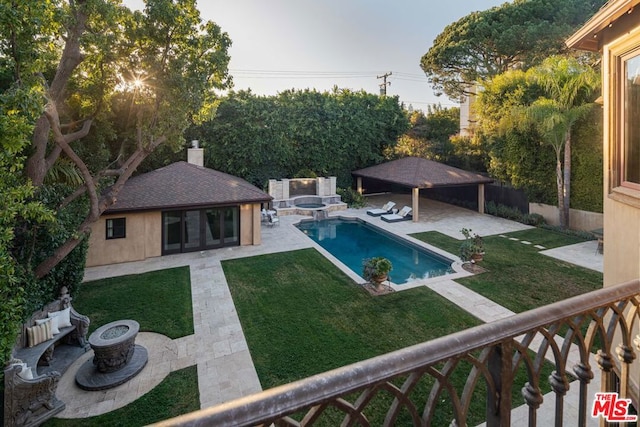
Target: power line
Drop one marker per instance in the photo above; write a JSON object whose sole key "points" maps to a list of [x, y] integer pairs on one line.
{"points": [[306, 74]]}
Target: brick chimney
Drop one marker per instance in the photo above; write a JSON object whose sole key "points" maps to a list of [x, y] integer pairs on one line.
{"points": [[195, 155]]}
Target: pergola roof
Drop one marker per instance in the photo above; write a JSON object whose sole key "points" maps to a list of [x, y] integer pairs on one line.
{"points": [[183, 185], [416, 172]]}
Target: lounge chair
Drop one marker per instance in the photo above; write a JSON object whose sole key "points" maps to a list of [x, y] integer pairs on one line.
{"points": [[403, 215], [273, 220], [383, 210]]}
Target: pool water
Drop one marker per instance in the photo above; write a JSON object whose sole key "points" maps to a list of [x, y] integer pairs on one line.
{"points": [[353, 241]]}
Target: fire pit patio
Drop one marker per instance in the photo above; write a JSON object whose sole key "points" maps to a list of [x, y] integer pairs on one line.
{"points": [[117, 358]]}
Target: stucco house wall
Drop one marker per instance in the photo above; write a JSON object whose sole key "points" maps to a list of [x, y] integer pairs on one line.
{"points": [[615, 32], [143, 239], [250, 225]]}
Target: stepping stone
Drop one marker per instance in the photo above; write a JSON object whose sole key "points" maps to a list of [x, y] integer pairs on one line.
{"points": [[539, 247], [515, 239], [502, 235], [524, 242]]}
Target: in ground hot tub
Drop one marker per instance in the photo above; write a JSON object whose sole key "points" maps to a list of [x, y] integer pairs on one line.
{"points": [[309, 202], [308, 205]]}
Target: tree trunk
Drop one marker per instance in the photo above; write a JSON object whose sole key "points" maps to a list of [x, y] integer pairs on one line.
{"points": [[560, 187], [98, 205], [566, 201], [39, 163]]}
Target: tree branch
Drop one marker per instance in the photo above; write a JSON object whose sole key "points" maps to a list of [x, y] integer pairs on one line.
{"points": [[51, 113]]}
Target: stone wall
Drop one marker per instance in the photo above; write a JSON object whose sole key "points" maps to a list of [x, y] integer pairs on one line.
{"points": [[579, 220]]}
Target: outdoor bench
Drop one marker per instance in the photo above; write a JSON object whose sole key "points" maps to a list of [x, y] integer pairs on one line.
{"points": [[31, 378]]}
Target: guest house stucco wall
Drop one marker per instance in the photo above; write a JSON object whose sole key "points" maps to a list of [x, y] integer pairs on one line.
{"points": [[143, 239]]}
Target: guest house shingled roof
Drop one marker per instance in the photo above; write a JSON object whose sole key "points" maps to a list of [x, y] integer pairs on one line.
{"points": [[416, 172], [183, 185]]}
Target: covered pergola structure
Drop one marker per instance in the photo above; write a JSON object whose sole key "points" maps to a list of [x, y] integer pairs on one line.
{"points": [[418, 173]]}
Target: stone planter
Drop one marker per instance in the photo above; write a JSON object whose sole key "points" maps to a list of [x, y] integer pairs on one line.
{"points": [[378, 281], [477, 257]]}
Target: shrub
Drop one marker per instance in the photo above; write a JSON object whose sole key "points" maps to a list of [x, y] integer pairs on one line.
{"points": [[509, 213], [490, 208], [533, 219], [36, 242], [305, 173], [586, 235], [472, 244], [351, 197]]}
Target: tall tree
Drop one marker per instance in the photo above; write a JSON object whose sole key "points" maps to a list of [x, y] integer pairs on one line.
{"points": [[519, 111], [163, 63], [429, 134], [515, 35], [568, 86]]}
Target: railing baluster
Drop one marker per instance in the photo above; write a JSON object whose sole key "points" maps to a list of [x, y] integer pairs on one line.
{"points": [[585, 375], [626, 356], [560, 386], [498, 410]]}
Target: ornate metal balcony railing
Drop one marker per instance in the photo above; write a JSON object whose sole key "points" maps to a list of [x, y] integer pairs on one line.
{"points": [[467, 377]]}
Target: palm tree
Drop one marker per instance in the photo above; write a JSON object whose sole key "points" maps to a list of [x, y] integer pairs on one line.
{"points": [[568, 86]]}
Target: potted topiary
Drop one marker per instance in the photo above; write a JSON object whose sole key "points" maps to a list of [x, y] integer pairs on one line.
{"points": [[376, 270], [472, 248]]}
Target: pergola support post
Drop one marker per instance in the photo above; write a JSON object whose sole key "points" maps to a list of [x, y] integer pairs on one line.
{"points": [[481, 198], [359, 184], [415, 203]]}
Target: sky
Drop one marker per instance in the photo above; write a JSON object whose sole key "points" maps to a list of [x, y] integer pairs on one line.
{"points": [[318, 44]]}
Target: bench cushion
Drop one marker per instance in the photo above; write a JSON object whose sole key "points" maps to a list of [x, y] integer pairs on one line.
{"points": [[39, 333], [54, 324], [64, 317]]}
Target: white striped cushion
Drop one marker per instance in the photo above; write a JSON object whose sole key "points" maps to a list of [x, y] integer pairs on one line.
{"points": [[39, 333]]}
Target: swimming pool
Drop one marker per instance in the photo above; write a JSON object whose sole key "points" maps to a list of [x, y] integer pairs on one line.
{"points": [[353, 240]]}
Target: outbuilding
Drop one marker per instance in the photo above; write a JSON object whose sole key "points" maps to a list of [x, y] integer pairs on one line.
{"points": [[182, 207], [418, 173]]}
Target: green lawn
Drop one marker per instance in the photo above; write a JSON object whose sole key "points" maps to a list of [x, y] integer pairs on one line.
{"points": [[177, 394], [302, 316], [518, 277], [159, 300]]}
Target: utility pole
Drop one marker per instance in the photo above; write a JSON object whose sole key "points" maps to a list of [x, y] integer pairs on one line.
{"points": [[384, 84]]}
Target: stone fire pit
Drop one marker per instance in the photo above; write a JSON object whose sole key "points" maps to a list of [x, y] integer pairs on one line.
{"points": [[117, 358]]}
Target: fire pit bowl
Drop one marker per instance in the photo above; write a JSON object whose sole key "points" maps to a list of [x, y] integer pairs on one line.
{"points": [[116, 358], [114, 344]]}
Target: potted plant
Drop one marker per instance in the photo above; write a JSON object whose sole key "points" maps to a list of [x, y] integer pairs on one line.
{"points": [[472, 248], [376, 270]]}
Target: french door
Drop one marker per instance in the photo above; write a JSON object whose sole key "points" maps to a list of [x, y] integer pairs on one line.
{"points": [[198, 229]]}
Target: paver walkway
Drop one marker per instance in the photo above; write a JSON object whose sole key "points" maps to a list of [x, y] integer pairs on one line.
{"points": [[218, 346]]}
